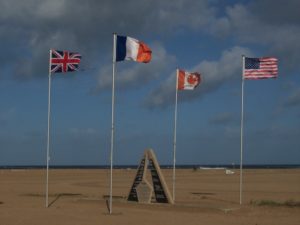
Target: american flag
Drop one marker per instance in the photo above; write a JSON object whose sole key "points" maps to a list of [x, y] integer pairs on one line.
{"points": [[64, 61], [260, 68]]}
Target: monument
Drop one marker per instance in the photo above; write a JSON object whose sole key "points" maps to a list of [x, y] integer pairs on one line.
{"points": [[155, 189]]}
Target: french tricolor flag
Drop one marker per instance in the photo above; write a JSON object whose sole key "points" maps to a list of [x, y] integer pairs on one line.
{"points": [[128, 48]]}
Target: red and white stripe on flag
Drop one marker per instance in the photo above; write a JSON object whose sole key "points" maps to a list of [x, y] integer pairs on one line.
{"points": [[261, 68], [188, 81]]}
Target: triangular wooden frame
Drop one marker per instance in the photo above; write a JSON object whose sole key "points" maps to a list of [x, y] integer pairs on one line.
{"points": [[142, 190]]}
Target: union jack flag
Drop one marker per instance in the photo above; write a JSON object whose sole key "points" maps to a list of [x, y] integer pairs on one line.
{"points": [[64, 61]]}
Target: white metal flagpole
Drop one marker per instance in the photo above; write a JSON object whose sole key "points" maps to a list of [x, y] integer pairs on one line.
{"points": [[112, 120], [175, 136], [48, 135], [242, 134]]}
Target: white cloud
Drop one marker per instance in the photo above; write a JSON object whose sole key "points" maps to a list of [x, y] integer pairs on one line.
{"points": [[222, 118], [293, 99], [137, 74], [276, 28], [86, 26], [50, 9], [214, 74], [30, 28]]}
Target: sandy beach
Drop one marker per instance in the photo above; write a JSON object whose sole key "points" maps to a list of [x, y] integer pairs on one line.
{"points": [[78, 197]]}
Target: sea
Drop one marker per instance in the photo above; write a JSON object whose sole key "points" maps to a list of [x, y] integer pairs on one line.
{"points": [[210, 166]]}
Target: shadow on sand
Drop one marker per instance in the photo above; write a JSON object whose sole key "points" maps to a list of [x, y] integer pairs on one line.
{"points": [[58, 196]]}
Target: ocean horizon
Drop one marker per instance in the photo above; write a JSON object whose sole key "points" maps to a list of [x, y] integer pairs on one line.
{"points": [[184, 166]]}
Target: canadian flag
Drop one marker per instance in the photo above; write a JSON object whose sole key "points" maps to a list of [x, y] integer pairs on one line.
{"points": [[187, 81]]}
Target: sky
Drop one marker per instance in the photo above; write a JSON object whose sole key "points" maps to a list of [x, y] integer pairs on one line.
{"points": [[206, 36]]}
